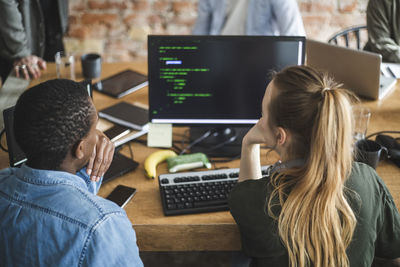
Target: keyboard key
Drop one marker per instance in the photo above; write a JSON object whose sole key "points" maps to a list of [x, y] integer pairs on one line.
{"points": [[210, 203], [171, 206], [233, 175]]}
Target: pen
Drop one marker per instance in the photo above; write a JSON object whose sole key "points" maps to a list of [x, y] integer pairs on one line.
{"points": [[390, 71]]}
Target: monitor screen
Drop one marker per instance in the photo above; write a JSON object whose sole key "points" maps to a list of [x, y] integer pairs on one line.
{"points": [[215, 80]]}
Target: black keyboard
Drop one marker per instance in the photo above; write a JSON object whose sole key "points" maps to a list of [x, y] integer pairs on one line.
{"points": [[196, 192]]}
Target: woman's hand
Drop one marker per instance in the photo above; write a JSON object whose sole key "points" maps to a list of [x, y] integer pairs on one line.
{"points": [[101, 158], [29, 66], [254, 136]]}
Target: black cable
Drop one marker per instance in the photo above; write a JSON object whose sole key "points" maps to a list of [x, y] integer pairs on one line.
{"points": [[382, 132], [226, 142], [130, 150], [198, 140], [184, 137], [1, 137]]}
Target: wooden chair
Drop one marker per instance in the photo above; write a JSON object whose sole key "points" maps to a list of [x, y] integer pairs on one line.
{"points": [[347, 33]]}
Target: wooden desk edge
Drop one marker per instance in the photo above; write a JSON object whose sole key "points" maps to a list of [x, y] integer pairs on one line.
{"points": [[174, 237]]}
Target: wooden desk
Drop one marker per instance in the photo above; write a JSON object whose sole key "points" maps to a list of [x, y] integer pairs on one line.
{"points": [[211, 231]]}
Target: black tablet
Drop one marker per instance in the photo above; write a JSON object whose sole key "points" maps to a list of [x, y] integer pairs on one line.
{"points": [[122, 83], [120, 165]]}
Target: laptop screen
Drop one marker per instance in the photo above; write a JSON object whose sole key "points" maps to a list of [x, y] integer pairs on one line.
{"points": [[16, 156]]}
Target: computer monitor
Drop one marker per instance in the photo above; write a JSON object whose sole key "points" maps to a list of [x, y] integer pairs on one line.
{"points": [[215, 82]]}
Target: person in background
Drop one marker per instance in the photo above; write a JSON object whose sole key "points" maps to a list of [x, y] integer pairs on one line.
{"points": [[248, 17], [383, 24], [49, 213], [316, 207], [31, 33]]}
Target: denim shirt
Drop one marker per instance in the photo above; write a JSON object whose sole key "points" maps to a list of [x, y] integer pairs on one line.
{"points": [[54, 218], [264, 17]]}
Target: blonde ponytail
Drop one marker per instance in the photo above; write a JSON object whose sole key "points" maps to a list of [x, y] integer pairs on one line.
{"points": [[316, 223]]}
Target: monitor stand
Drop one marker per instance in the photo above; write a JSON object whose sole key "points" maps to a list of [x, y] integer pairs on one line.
{"points": [[219, 142]]}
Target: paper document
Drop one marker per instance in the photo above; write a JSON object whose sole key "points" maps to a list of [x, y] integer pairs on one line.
{"points": [[160, 135], [390, 69]]}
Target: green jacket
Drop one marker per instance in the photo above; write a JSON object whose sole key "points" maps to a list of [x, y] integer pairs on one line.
{"points": [[22, 29], [383, 23], [377, 231]]}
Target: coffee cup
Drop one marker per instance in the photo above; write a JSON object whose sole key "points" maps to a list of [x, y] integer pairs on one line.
{"points": [[369, 152], [91, 65]]}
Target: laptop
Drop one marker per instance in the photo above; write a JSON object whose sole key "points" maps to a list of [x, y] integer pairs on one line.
{"points": [[15, 154], [359, 71]]}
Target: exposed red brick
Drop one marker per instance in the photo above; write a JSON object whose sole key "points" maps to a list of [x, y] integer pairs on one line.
{"points": [[316, 7], [154, 19], [130, 19], [315, 19], [161, 6], [188, 22], [108, 19], [183, 6], [78, 32], [107, 4], [98, 31], [140, 5], [347, 6], [77, 6], [72, 19], [118, 30]]}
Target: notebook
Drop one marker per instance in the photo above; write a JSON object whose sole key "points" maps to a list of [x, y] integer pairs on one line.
{"points": [[126, 114], [358, 70]]}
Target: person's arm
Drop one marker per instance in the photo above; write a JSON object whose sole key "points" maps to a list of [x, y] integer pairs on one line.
{"points": [[14, 43], [112, 242], [250, 166], [93, 186], [203, 21], [379, 31], [387, 243], [288, 17]]}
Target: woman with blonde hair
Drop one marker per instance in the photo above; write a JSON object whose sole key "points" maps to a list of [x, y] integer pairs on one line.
{"points": [[316, 207]]}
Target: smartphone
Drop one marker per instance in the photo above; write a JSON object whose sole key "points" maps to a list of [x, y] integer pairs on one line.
{"points": [[116, 132], [121, 195]]}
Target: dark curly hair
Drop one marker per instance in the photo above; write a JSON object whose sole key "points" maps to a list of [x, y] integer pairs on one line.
{"points": [[50, 119]]}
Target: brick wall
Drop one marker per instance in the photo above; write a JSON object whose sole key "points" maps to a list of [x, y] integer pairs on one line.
{"points": [[118, 28]]}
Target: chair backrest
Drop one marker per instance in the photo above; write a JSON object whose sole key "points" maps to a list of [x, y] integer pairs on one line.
{"points": [[349, 34]]}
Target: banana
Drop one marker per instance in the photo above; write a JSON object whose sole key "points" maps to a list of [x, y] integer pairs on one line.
{"points": [[152, 160]]}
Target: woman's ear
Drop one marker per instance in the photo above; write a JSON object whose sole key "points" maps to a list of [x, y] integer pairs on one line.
{"points": [[282, 136], [79, 150]]}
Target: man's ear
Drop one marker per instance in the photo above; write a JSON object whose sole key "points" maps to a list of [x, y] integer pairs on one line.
{"points": [[79, 150], [282, 136]]}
